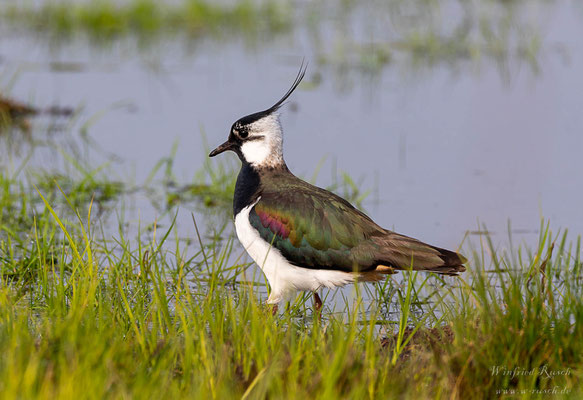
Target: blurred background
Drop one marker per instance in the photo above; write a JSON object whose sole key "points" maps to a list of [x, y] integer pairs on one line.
{"points": [[435, 117]]}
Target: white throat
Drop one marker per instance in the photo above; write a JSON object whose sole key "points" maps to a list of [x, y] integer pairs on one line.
{"points": [[264, 147]]}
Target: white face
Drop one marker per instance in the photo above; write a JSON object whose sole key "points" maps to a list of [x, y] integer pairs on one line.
{"points": [[264, 145]]}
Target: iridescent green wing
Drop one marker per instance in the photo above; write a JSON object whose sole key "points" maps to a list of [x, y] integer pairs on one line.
{"points": [[313, 228]]}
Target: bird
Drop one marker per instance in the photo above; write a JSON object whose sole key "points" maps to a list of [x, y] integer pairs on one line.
{"points": [[305, 238]]}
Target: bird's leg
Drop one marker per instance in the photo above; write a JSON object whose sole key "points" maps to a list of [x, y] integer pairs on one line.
{"points": [[274, 309], [317, 302]]}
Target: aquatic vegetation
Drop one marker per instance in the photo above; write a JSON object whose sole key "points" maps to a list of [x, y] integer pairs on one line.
{"points": [[82, 191], [91, 308], [83, 315], [87, 310], [421, 35], [104, 19], [14, 114], [418, 34], [10, 109]]}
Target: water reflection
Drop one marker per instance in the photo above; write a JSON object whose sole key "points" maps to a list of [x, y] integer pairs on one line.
{"points": [[347, 36], [423, 35]]}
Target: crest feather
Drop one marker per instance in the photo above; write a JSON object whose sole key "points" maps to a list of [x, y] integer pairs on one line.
{"points": [[293, 87]]}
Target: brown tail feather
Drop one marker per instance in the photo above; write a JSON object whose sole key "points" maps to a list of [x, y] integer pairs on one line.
{"points": [[403, 252], [452, 262]]}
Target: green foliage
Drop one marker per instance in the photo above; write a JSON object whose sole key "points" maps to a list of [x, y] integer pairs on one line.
{"points": [[103, 19], [420, 33], [87, 313], [81, 316]]}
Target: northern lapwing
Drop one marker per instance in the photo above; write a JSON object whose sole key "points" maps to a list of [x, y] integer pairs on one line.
{"points": [[304, 237]]}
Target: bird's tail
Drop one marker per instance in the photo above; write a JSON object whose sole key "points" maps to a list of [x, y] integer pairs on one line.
{"points": [[402, 252]]}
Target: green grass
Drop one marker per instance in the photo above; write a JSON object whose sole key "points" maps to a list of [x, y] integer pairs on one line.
{"points": [[85, 314], [421, 34], [104, 19], [90, 312]]}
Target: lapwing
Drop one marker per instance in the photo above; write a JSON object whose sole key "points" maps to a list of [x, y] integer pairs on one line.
{"points": [[303, 237]]}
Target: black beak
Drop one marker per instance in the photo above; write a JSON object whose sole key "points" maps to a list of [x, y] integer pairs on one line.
{"points": [[223, 147]]}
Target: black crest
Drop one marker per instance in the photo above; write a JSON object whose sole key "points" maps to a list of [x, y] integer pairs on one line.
{"points": [[249, 119]]}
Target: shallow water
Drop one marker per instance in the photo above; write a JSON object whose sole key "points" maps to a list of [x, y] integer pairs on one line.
{"points": [[443, 145]]}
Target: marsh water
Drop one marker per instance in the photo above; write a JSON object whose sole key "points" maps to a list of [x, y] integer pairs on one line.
{"points": [[444, 138]]}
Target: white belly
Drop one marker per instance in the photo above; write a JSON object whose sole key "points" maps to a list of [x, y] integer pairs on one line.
{"points": [[285, 279]]}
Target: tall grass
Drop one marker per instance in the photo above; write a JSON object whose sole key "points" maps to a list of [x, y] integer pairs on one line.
{"points": [[84, 316]]}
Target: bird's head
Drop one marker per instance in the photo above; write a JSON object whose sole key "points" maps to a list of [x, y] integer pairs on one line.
{"points": [[258, 138]]}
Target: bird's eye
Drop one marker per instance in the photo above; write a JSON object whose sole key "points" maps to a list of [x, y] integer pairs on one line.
{"points": [[243, 133]]}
